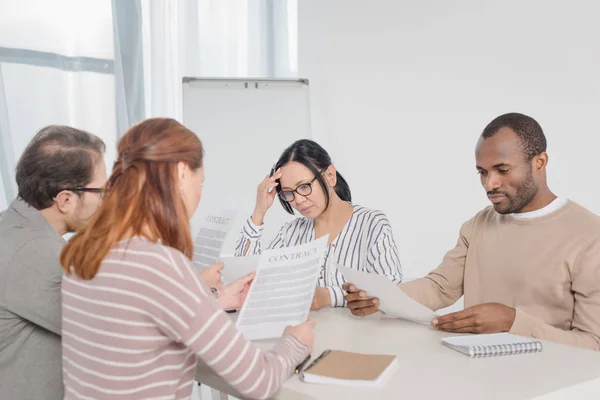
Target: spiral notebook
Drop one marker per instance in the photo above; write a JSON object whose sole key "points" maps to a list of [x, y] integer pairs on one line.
{"points": [[495, 344]]}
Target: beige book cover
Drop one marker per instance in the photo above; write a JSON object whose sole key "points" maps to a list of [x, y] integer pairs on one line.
{"points": [[348, 366]]}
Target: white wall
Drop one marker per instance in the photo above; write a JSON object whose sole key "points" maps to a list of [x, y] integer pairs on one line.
{"points": [[401, 91]]}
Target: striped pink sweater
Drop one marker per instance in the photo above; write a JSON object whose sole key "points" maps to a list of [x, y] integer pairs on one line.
{"points": [[137, 329]]}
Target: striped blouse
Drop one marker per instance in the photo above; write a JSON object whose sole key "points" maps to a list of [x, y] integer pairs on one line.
{"points": [[365, 243], [139, 327]]}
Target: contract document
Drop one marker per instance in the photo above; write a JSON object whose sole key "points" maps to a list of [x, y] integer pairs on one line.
{"points": [[392, 301], [214, 228], [282, 291], [237, 267]]}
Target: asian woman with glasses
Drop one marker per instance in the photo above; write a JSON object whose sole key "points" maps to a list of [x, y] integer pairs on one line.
{"points": [[305, 180]]}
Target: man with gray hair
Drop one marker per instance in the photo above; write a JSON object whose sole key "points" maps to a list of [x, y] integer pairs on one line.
{"points": [[60, 177]]}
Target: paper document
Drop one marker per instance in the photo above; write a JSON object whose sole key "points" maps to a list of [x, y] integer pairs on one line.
{"points": [[282, 291], [237, 267], [392, 300], [214, 228]]}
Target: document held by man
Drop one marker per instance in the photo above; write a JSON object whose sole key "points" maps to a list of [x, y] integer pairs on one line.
{"points": [[392, 301], [282, 291], [214, 228]]}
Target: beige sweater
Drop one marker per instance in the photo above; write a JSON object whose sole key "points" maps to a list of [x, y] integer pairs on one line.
{"points": [[548, 268]]}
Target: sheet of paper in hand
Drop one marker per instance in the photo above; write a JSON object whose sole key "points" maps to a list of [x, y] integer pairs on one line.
{"points": [[237, 267], [392, 301], [283, 289], [214, 228]]}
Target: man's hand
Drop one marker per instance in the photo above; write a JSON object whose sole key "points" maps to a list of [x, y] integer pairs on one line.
{"points": [[233, 295], [212, 275], [482, 318], [358, 303], [321, 299]]}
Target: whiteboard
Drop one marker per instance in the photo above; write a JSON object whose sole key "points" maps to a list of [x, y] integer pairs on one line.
{"points": [[244, 125]]}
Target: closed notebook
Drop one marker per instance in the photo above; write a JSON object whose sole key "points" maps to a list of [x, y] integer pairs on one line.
{"points": [[495, 344], [349, 369]]}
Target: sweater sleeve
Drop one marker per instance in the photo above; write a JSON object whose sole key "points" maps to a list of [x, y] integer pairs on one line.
{"points": [[209, 332], [585, 327], [36, 300], [443, 286]]}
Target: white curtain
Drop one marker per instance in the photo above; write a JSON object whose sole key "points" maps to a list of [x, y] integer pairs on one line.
{"points": [[57, 66], [214, 38], [103, 65]]}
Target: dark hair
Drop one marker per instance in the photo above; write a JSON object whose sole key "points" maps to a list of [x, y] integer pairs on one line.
{"points": [[142, 198], [57, 157], [528, 130], [316, 159]]}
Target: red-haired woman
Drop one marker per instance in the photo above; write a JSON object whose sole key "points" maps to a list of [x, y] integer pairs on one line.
{"points": [[136, 316]]}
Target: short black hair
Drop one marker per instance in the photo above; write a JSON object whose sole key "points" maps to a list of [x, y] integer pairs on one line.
{"points": [[527, 129], [314, 157], [58, 157]]}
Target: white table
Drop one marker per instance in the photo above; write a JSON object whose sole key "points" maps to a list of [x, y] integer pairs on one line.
{"points": [[429, 370]]}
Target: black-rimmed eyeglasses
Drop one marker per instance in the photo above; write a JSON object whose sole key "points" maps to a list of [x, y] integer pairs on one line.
{"points": [[100, 191], [304, 189]]}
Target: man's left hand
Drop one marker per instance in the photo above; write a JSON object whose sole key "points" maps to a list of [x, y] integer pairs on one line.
{"points": [[212, 275], [233, 295], [482, 318]]}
